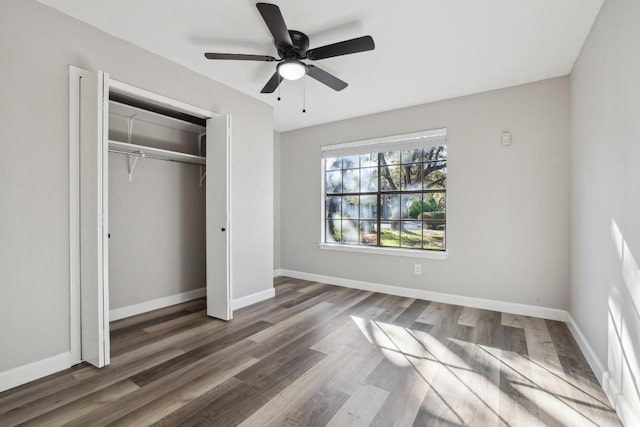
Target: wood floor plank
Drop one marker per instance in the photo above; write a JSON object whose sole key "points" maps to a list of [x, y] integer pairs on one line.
{"points": [[433, 313], [470, 316], [317, 411], [177, 396], [513, 320], [318, 355], [125, 330], [107, 377], [143, 320], [84, 405], [406, 388], [361, 407], [255, 386], [275, 338], [191, 319], [297, 403], [412, 312], [23, 395], [312, 315], [176, 388], [185, 359], [509, 338], [487, 325], [347, 297]]}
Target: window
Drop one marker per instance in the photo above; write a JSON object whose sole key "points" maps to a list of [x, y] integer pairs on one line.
{"points": [[389, 192]]}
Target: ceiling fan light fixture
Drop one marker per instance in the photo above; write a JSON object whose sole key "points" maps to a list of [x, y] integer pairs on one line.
{"points": [[292, 70]]}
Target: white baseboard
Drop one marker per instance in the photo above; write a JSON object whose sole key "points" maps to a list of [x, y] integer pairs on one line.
{"points": [[629, 415], [278, 272], [143, 307], [486, 304], [32, 371], [253, 298], [596, 364]]}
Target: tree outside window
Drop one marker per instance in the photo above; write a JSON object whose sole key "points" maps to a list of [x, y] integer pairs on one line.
{"points": [[388, 199]]}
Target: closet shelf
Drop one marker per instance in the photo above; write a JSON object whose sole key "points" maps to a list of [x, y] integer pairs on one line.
{"points": [[142, 115], [155, 153]]}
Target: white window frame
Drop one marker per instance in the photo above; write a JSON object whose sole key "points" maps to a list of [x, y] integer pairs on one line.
{"points": [[387, 143]]}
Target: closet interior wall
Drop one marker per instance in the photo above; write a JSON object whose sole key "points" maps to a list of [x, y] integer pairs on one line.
{"points": [[156, 220]]}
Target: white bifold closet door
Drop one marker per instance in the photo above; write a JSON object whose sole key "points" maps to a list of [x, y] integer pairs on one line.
{"points": [[93, 196], [94, 281], [218, 232]]}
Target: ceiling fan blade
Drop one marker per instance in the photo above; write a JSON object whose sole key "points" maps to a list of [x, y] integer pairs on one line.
{"points": [[327, 78], [360, 44], [274, 20], [239, 56], [272, 84]]}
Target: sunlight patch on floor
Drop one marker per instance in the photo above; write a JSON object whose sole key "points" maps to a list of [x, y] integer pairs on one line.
{"points": [[478, 384]]}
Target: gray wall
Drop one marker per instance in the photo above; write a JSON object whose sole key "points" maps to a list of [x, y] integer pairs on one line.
{"points": [[277, 149], [605, 208], [36, 46], [508, 207], [157, 221]]}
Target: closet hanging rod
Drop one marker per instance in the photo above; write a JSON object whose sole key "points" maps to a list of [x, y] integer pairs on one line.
{"points": [[118, 147], [152, 157]]}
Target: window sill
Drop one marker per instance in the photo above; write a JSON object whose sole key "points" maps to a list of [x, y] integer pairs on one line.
{"points": [[386, 251]]}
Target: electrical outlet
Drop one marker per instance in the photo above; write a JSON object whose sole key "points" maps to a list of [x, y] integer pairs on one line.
{"points": [[417, 269]]}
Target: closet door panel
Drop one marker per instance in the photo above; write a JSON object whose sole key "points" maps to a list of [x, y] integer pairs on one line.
{"points": [[217, 222], [93, 243]]}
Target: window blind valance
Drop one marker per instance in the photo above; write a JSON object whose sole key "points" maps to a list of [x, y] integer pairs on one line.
{"points": [[408, 141]]}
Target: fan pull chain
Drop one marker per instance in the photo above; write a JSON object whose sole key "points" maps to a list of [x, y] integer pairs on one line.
{"points": [[304, 94], [279, 84]]}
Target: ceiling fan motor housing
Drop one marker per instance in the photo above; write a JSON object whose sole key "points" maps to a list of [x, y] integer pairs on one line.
{"points": [[298, 50]]}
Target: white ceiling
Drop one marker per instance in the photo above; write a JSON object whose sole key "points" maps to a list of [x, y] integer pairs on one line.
{"points": [[426, 50]]}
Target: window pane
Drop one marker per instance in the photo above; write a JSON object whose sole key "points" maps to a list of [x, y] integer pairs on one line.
{"points": [[411, 234], [350, 207], [411, 205], [351, 180], [333, 183], [411, 176], [435, 167], [369, 160], [333, 163], [350, 231], [433, 239], [390, 208], [435, 154], [434, 175], [390, 233], [332, 207], [411, 156], [390, 178], [350, 162], [390, 158], [368, 207], [433, 214], [368, 233], [332, 231], [368, 179]]}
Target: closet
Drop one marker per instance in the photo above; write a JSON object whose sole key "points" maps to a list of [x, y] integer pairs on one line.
{"points": [[156, 207], [162, 229]]}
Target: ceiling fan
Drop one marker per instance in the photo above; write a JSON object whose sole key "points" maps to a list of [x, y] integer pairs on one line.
{"points": [[293, 47]]}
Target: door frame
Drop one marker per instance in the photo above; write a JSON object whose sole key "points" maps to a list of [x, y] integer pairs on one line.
{"points": [[75, 73]]}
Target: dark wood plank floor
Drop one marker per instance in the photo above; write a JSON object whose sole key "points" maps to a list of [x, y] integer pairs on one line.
{"points": [[323, 355]]}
